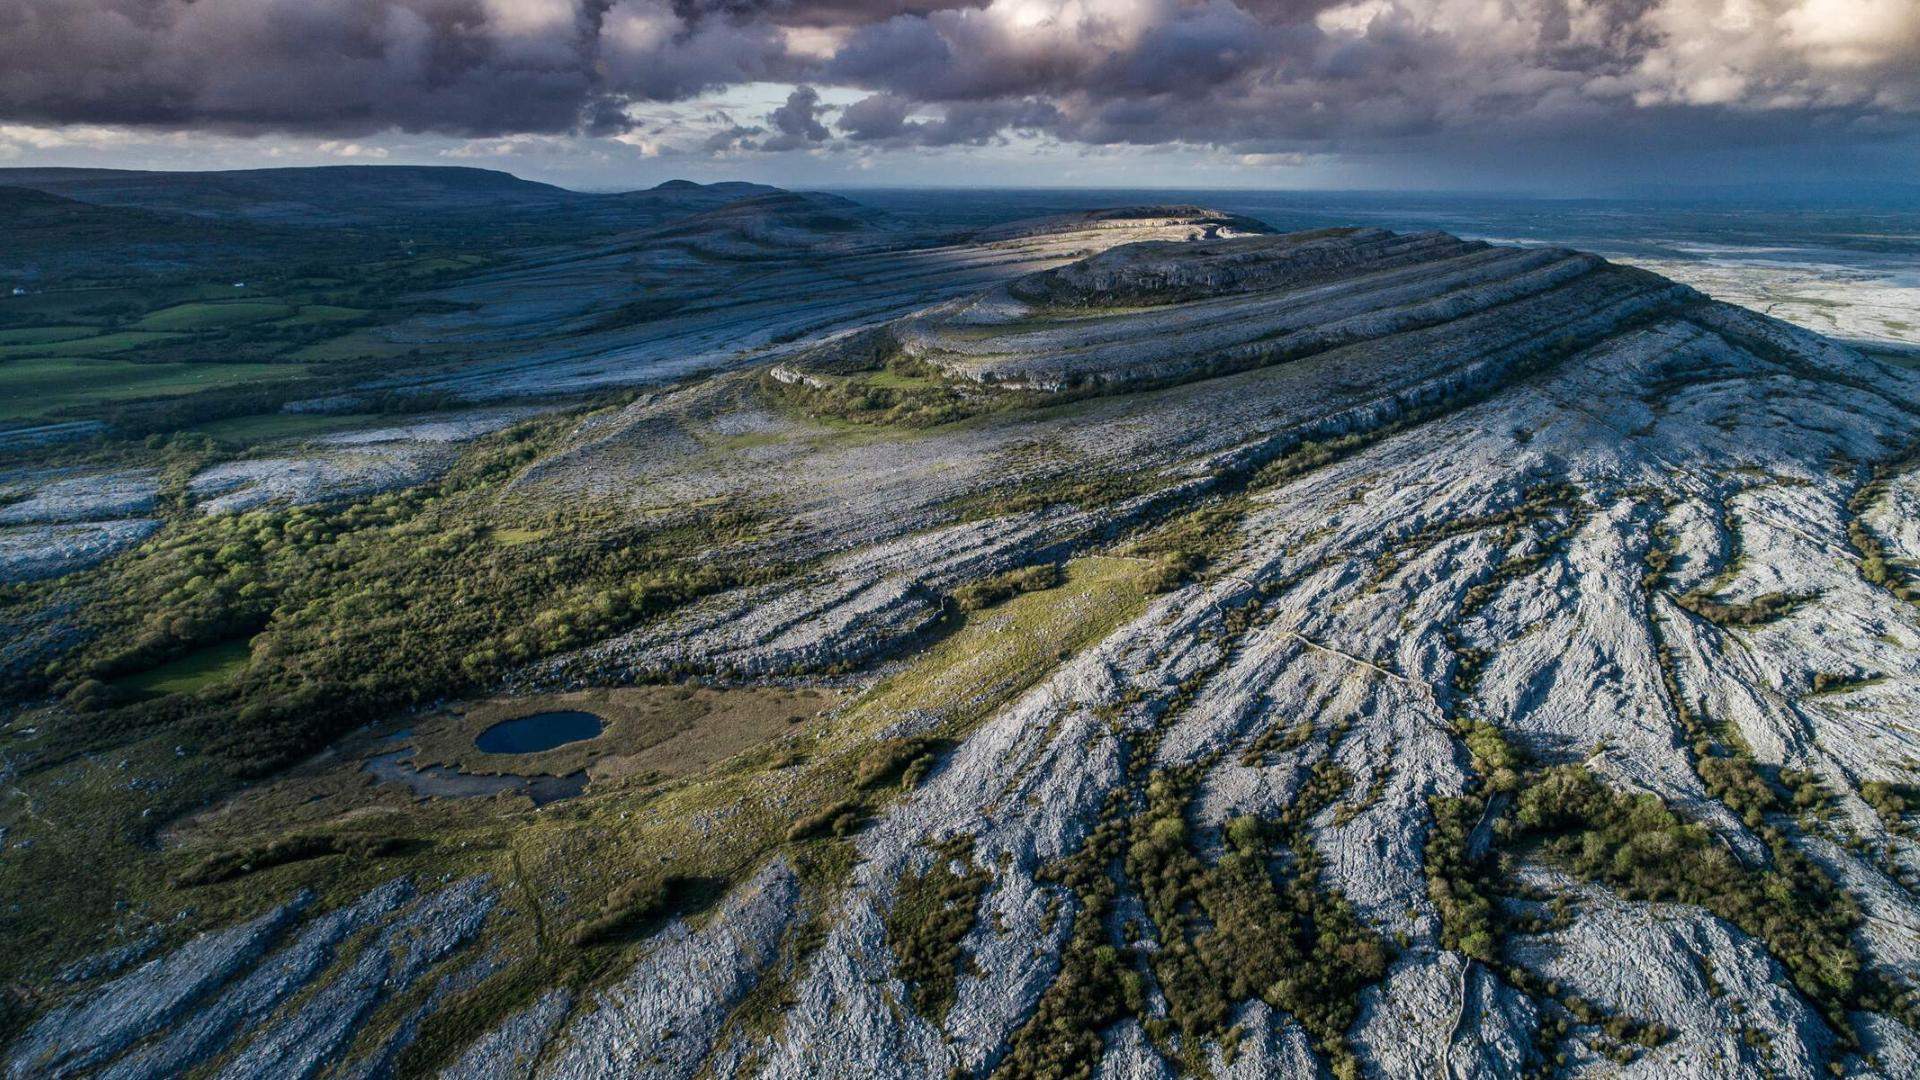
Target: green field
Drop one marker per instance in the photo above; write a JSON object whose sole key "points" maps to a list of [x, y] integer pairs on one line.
{"points": [[45, 335], [891, 379], [198, 669], [352, 345], [30, 388], [206, 316], [319, 314], [77, 305], [98, 345]]}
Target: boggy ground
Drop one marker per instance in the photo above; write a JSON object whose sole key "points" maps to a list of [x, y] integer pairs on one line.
{"points": [[1396, 657]]}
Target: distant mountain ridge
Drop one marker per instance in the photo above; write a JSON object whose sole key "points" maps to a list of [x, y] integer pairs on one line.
{"points": [[76, 223], [368, 195]]}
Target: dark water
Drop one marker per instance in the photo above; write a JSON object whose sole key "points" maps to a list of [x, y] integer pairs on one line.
{"points": [[541, 731], [1882, 240]]}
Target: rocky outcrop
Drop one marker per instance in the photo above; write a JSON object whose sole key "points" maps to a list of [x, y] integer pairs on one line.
{"points": [[34, 552], [89, 1032]]}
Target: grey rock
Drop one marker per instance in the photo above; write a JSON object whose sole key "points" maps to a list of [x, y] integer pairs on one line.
{"points": [[84, 1034]]}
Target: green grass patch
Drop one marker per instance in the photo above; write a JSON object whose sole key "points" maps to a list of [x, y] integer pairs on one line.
{"points": [[1006, 648], [205, 316], [894, 380], [31, 388], [317, 314], [353, 345], [45, 335], [194, 671], [98, 345]]}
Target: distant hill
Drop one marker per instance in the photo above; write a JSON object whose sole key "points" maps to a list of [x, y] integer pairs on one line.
{"points": [[94, 223], [779, 222], [331, 196], [49, 236], [375, 195], [738, 189]]}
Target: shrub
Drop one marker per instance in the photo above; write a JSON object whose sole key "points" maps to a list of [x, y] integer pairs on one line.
{"points": [[1888, 800], [1762, 609], [840, 819], [892, 759], [227, 865], [931, 916], [634, 903], [1001, 587], [1638, 845]]}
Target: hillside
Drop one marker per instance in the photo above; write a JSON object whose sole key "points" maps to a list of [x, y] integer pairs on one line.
{"points": [[371, 195], [1126, 644], [48, 236]]}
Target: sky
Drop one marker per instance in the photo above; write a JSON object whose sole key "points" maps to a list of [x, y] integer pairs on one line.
{"points": [[1544, 96]]}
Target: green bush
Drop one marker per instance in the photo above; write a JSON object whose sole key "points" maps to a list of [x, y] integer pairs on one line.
{"points": [[228, 865], [1002, 587], [841, 818], [1639, 846], [931, 915], [632, 905], [1760, 610], [895, 759]]}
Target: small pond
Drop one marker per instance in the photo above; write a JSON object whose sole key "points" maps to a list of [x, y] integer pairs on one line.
{"points": [[541, 731]]}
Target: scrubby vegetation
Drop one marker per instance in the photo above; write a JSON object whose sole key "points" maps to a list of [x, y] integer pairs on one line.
{"points": [[983, 594], [1187, 544], [469, 1015], [904, 393], [1099, 981], [1640, 847], [1762, 609], [1892, 802], [1875, 567], [906, 760], [1081, 491], [227, 865], [637, 903], [841, 818], [356, 610], [1536, 504], [930, 917], [1257, 922], [1839, 682]]}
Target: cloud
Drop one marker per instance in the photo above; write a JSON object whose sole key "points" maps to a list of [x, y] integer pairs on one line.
{"points": [[883, 120], [1245, 77], [797, 124], [350, 67]]}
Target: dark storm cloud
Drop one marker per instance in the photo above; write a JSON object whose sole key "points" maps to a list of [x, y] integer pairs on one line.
{"points": [[796, 124], [465, 67], [1249, 76], [883, 120], [801, 13]]}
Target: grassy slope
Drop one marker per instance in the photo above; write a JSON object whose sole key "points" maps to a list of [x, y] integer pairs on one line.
{"points": [[32, 388]]}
